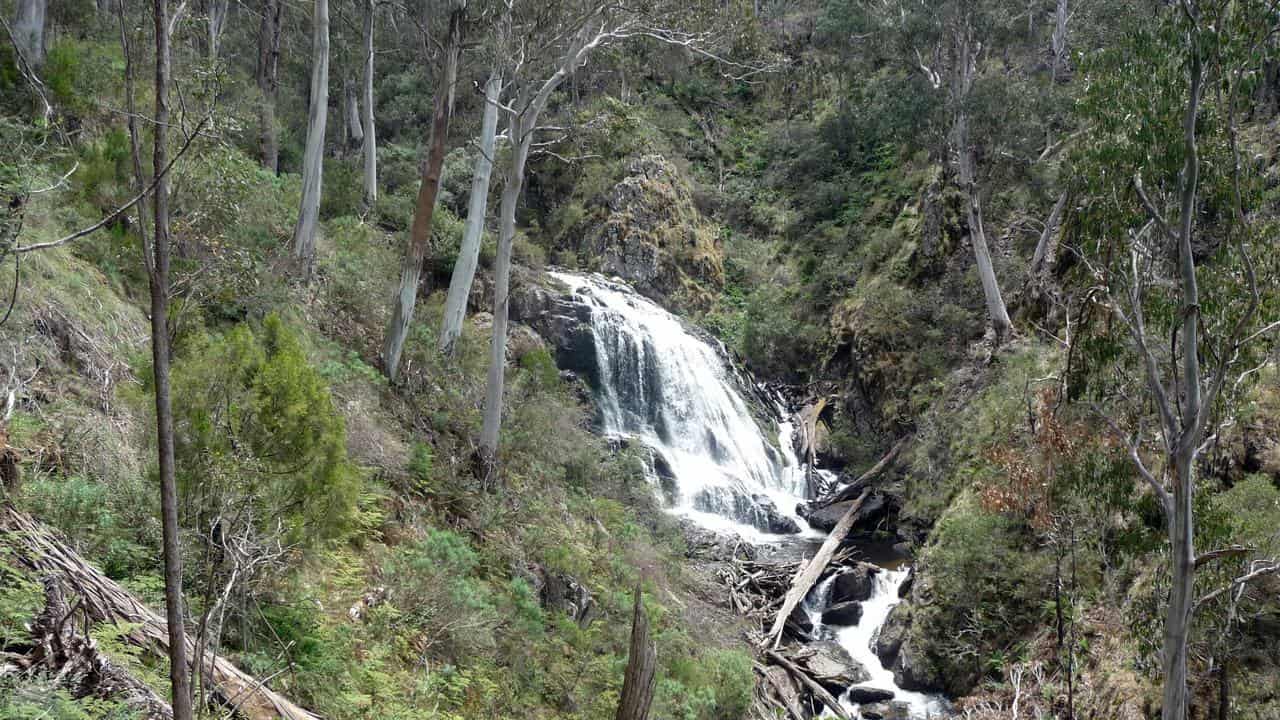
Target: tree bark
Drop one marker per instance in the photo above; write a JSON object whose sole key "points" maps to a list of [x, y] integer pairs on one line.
{"points": [[464, 270], [28, 30], [641, 675], [218, 12], [496, 382], [1042, 261], [965, 62], [369, 148], [406, 296], [355, 125], [179, 669], [304, 233], [268, 77]]}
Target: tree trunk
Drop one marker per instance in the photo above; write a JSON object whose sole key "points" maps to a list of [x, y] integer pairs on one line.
{"points": [[268, 77], [420, 234], [464, 270], [1181, 596], [28, 30], [641, 676], [1042, 261], [369, 148], [218, 11], [179, 670], [355, 129], [502, 289], [304, 233], [965, 62]]}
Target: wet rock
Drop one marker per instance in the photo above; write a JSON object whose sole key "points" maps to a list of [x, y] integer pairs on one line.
{"points": [[892, 633], [855, 583], [832, 666], [759, 511], [845, 613], [886, 711], [798, 625], [865, 695], [904, 590], [870, 516]]}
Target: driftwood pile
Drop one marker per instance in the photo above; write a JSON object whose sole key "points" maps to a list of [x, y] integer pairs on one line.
{"points": [[95, 598]]}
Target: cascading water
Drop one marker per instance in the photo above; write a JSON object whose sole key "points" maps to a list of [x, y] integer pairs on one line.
{"points": [[656, 382]]}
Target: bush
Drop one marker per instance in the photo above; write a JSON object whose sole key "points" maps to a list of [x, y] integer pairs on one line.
{"points": [[434, 590], [257, 433]]}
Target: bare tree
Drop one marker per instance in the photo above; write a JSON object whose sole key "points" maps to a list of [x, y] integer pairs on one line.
{"points": [[28, 30], [464, 269], [406, 297], [1058, 41], [304, 233], [641, 676], [156, 258], [217, 13], [268, 77], [965, 49], [369, 148]]}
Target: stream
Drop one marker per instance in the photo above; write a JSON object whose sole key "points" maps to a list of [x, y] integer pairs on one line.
{"points": [[657, 382]]}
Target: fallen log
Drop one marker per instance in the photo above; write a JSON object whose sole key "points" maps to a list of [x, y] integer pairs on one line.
{"points": [[818, 691], [857, 486], [809, 573], [104, 601]]}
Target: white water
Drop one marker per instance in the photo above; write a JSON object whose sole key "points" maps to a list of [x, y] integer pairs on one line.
{"points": [[858, 640], [662, 385]]}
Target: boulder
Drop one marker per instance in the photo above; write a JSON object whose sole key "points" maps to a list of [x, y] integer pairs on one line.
{"points": [[798, 625], [832, 666], [875, 509], [886, 711], [904, 590], [892, 633], [844, 613], [864, 695], [854, 583], [560, 592]]}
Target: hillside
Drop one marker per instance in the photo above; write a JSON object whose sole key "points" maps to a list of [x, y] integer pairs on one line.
{"points": [[983, 295]]}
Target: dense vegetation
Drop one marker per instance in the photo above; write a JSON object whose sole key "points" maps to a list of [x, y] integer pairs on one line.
{"points": [[801, 178]]}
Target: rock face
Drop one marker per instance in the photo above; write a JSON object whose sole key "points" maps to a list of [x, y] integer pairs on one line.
{"points": [[653, 236], [832, 666], [855, 583], [844, 613], [563, 321], [798, 625]]}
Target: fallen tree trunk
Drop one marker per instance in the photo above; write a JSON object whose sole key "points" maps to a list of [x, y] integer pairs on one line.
{"points": [[857, 486], [818, 691], [809, 574], [104, 601]]}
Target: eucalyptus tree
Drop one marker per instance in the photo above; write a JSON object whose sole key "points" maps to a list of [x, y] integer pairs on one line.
{"points": [[406, 295], [1172, 243], [304, 232], [267, 75], [369, 145], [464, 269], [28, 30]]}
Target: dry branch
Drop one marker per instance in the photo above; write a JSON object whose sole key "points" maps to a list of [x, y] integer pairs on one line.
{"points": [[820, 692], [103, 600]]}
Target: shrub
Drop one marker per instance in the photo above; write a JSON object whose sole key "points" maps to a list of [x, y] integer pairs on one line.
{"points": [[434, 590], [258, 437]]}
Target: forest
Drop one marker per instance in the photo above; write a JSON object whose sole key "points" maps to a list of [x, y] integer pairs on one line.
{"points": [[652, 360]]}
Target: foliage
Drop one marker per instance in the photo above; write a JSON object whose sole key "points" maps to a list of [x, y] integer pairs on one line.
{"points": [[259, 442]]}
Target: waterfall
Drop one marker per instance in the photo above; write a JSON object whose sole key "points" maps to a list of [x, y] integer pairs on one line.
{"points": [[657, 382]]}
